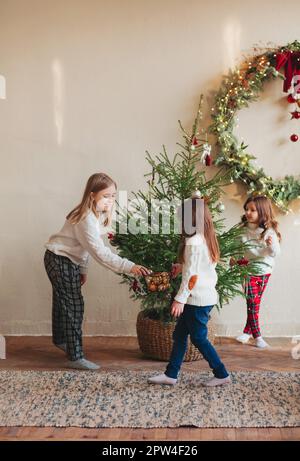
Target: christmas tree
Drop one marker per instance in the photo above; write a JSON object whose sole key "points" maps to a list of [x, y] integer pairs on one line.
{"points": [[176, 179]]}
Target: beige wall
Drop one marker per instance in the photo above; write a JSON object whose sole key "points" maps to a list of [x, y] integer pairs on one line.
{"points": [[90, 86]]}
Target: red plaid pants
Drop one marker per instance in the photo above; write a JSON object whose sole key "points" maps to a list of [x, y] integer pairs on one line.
{"points": [[254, 287]]}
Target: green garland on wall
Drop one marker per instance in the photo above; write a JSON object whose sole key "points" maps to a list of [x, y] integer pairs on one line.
{"points": [[239, 88]]}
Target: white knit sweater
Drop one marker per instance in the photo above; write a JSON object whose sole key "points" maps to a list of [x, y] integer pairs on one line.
{"points": [[261, 252], [197, 263], [78, 241]]}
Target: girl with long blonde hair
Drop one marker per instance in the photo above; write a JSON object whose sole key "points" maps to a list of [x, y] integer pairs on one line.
{"points": [[66, 263]]}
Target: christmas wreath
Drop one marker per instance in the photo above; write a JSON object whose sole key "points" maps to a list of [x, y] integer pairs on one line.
{"points": [[239, 88]]}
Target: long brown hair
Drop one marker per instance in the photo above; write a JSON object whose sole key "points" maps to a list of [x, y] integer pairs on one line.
{"points": [[266, 218], [208, 230], [95, 183]]}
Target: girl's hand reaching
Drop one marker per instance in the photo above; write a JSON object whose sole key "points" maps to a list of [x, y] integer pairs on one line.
{"points": [[269, 240], [177, 308], [83, 279], [176, 269], [140, 270]]}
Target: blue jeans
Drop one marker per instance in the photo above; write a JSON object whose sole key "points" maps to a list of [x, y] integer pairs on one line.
{"points": [[193, 322]]}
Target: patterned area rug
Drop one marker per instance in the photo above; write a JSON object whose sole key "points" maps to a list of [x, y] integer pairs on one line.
{"points": [[124, 399]]}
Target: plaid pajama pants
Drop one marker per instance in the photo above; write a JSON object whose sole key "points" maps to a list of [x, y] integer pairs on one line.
{"points": [[67, 303], [254, 287]]}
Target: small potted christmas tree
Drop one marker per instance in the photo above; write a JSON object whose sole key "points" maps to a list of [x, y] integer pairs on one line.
{"points": [[174, 180]]}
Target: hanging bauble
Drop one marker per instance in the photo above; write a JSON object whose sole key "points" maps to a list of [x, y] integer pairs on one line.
{"points": [[291, 99], [243, 262], [135, 285], [220, 207], [295, 114], [208, 160], [294, 138], [206, 157]]}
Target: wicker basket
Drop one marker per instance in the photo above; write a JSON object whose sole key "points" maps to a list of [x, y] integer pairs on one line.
{"points": [[155, 339]]}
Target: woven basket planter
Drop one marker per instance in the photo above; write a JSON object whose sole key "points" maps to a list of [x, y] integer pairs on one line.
{"points": [[155, 339]]}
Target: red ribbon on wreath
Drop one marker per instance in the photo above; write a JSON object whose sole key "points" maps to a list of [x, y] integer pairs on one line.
{"points": [[291, 63]]}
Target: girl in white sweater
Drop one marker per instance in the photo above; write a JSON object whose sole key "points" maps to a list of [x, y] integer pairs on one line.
{"points": [[261, 232], [66, 263], [197, 295]]}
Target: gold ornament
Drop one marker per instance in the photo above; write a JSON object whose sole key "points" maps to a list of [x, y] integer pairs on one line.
{"points": [[158, 281]]}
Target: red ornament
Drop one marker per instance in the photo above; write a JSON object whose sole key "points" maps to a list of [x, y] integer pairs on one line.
{"points": [[135, 285], [242, 262], [110, 236], [294, 138], [291, 99], [295, 114], [208, 160], [195, 142]]}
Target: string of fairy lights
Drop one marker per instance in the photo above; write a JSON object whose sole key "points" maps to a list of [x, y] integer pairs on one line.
{"points": [[238, 89]]}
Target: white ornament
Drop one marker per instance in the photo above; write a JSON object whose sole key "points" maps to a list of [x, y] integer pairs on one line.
{"points": [[206, 152], [196, 194]]}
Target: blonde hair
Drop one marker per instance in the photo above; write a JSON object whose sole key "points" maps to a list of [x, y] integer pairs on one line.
{"points": [[266, 218], [209, 233], [95, 183]]}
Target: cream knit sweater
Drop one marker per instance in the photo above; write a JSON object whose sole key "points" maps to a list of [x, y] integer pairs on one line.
{"points": [[199, 275], [260, 251], [78, 241]]}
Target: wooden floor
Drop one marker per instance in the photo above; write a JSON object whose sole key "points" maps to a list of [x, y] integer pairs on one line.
{"points": [[37, 353]]}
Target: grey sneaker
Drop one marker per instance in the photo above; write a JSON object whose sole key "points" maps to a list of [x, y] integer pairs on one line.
{"points": [[83, 364], [162, 379], [217, 382], [244, 338], [261, 343]]}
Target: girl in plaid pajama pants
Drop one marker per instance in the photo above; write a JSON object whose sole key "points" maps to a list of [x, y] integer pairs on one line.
{"points": [[261, 231], [66, 263]]}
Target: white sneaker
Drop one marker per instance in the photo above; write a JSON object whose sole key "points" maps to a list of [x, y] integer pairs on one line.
{"points": [[261, 343], [83, 364], [244, 338], [162, 379], [217, 381]]}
